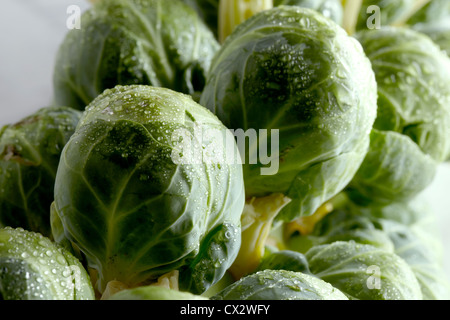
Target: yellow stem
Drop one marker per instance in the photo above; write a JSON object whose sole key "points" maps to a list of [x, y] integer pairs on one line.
{"points": [[257, 220], [351, 14], [234, 12], [305, 225]]}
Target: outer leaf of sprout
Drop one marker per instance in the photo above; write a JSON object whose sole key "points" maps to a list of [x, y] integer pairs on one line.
{"points": [[376, 274], [332, 9], [280, 285], [34, 268]]}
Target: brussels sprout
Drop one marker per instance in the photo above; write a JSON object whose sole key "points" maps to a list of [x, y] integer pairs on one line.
{"points": [[413, 77], [125, 42], [154, 293], [32, 267], [412, 72], [407, 237], [291, 71], [279, 285], [29, 157], [329, 8], [421, 229], [425, 265], [364, 272], [129, 197]]}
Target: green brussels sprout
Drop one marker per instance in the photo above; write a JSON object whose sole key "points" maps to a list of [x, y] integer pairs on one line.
{"points": [[126, 42], [135, 204], [413, 120], [360, 225], [208, 10], [329, 8], [154, 293], [364, 272], [293, 72], [32, 267], [413, 230], [29, 155], [423, 262], [415, 76], [279, 285]]}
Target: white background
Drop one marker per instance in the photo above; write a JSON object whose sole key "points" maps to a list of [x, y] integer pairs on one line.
{"points": [[31, 32]]}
